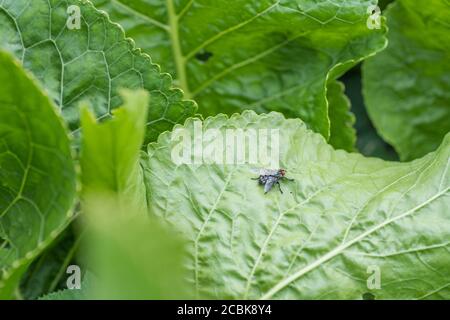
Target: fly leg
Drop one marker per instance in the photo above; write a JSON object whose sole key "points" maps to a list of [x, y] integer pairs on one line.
{"points": [[259, 180], [279, 187]]}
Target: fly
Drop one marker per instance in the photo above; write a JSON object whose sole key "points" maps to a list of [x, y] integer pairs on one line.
{"points": [[268, 178]]}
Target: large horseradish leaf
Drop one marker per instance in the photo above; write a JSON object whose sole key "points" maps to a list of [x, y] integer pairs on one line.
{"points": [[407, 86], [346, 228], [250, 54], [91, 62], [37, 174]]}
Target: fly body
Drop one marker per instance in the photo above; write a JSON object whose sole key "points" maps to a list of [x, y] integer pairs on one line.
{"points": [[268, 178]]}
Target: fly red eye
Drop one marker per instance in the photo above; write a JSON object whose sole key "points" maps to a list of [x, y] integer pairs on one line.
{"points": [[282, 172]]}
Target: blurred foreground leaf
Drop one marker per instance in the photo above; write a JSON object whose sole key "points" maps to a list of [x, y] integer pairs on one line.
{"points": [[132, 256]]}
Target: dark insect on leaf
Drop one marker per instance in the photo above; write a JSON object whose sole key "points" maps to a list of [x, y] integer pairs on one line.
{"points": [[204, 56], [268, 178]]}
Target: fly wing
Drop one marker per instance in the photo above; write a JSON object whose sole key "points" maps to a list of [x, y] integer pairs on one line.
{"points": [[269, 184], [258, 171], [264, 172]]}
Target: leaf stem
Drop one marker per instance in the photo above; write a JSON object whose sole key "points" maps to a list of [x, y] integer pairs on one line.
{"points": [[176, 48], [66, 262]]}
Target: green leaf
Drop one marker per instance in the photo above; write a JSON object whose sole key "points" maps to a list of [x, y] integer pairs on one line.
{"points": [[368, 143], [48, 272], [37, 174], [84, 293], [91, 63], [343, 135], [110, 152], [342, 217], [407, 86], [252, 54], [132, 255], [135, 259]]}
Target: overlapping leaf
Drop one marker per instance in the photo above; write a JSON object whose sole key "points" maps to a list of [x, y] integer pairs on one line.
{"points": [[91, 63], [110, 153], [37, 174], [344, 220], [342, 133], [133, 256], [250, 54], [369, 143], [407, 86]]}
